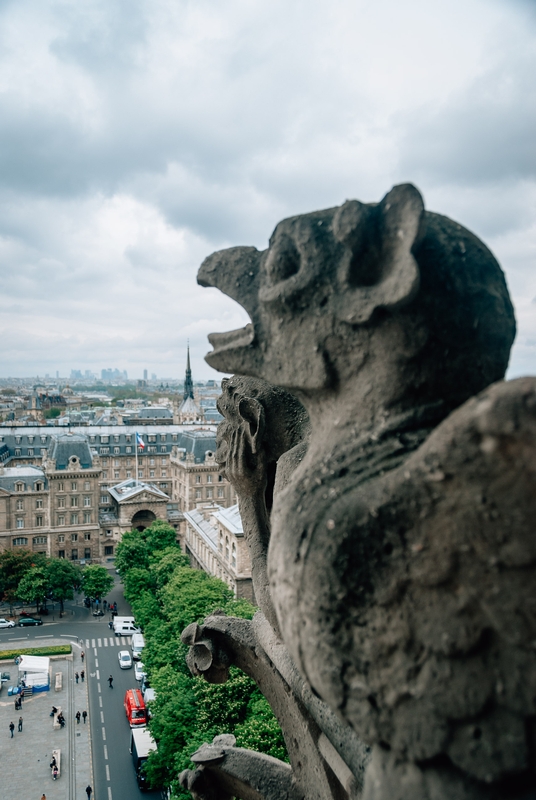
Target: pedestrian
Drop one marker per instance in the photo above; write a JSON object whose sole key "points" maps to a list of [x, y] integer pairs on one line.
{"points": [[76, 676], [12, 728], [55, 771], [82, 656], [84, 714], [111, 682], [104, 603], [82, 675], [78, 715], [20, 724], [88, 791]]}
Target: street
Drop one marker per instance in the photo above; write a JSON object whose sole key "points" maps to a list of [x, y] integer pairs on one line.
{"points": [[113, 771]]}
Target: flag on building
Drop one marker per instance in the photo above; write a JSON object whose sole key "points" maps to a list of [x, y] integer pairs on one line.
{"points": [[139, 441]]}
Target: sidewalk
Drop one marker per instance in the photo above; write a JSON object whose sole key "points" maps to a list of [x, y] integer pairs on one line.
{"points": [[27, 756]]}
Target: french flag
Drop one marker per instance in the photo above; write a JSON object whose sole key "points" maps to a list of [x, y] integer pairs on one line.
{"points": [[139, 441]]}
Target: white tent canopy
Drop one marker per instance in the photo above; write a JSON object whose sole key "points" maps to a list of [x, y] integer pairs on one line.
{"points": [[34, 664]]}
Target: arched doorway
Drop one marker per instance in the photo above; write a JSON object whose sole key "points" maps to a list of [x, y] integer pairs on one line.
{"points": [[143, 519]]}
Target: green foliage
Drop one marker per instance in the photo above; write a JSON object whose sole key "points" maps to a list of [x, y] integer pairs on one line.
{"points": [[138, 581], [52, 650], [62, 577], [260, 731], [222, 706], [159, 535], [33, 586], [52, 413], [96, 581], [14, 564], [191, 595], [131, 552], [165, 563]]}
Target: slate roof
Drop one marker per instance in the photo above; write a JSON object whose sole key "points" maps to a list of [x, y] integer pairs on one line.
{"points": [[207, 531], [155, 412], [27, 474], [230, 519], [67, 445], [128, 489]]}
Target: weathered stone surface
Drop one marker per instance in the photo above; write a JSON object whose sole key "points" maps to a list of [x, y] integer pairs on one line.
{"points": [[401, 548]]}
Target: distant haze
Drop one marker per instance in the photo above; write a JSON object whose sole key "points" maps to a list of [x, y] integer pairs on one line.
{"points": [[138, 137]]}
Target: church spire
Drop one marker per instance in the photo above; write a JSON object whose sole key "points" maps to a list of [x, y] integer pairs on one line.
{"points": [[188, 383]]}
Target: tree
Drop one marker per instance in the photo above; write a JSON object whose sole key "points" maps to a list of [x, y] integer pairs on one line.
{"points": [[160, 535], [132, 551], [96, 581], [14, 564], [33, 585], [62, 577], [166, 562]]}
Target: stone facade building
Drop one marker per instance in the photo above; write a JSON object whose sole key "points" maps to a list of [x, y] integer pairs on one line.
{"points": [[215, 543]]}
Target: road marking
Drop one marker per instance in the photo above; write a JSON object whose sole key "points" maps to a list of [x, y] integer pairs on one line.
{"points": [[100, 701], [93, 644], [20, 639], [45, 636], [109, 793], [98, 688], [99, 643], [105, 642], [96, 662], [107, 772], [98, 675], [106, 752], [104, 734], [102, 717]]}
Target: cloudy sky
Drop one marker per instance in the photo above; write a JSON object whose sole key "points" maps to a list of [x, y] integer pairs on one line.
{"points": [[138, 136]]}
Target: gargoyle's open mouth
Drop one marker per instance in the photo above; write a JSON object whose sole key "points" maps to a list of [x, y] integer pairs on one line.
{"points": [[231, 340]]}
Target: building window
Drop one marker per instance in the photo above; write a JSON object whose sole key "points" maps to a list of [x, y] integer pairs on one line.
{"points": [[17, 439], [92, 439], [20, 523], [39, 540], [61, 502], [116, 438], [20, 505], [163, 437], [209, 478], [117, 450], [129, 473], [61, 553], [227, 548], [151, 462], [61, 538], [74, 501], [128, 437], [74, 519], [209, 494], [74, 554], [104, 439], [140, 473], [151, 473], [87, 486], [60, 487], [163, 449], [39, 503], [87, 501], [104, 450], [151, 449], [87, 517], [129, 462], [87, 536], [104, 499], [39, 522], [151, 438], [43, 439], [220, 491], [117, 463], [198, 494], [30, 439], [164, 473], [164, 462], [104, 462], [128, 449], [87, 552], [73, 486], [74, 537], [220, 546], [19, 487], [233, 555], [220, 478], [104, 475], [61, 519], [116, 474], [163, 485], [30, 451], [198, 478], [17, 451], [39, 486], [109, 550], [20, 540]]}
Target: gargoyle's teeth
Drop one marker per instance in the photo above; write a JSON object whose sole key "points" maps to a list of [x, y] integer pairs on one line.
{"points": [[242, 337]]}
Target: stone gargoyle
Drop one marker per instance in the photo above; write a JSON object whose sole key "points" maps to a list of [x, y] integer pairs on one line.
{"points": [[402, 549]]}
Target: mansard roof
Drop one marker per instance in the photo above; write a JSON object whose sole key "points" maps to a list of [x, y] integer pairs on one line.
{"points": [[27, 475], [131, 488], [67, 445]]}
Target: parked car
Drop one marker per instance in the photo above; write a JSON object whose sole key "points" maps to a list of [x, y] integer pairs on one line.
{"points": [[125, 659], [98, 613], [6, 623], [139, 670], [23, 623]]}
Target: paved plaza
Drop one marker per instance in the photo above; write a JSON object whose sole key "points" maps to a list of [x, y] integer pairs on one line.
{"points": [[26, 757]]}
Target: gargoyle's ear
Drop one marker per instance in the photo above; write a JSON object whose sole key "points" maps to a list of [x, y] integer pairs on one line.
{"points": [[378, 269], [252, 413]]}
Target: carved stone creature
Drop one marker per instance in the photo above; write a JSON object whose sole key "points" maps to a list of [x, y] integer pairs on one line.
{"points": [[402, 552]]}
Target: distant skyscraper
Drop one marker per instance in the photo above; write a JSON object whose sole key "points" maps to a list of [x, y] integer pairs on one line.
{"points": [[144, 374]]}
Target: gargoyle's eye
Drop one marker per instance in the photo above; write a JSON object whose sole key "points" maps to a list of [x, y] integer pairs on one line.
{"points": [[283, 259]]}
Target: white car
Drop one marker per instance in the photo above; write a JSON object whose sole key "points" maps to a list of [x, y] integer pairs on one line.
{"points": [[6, 623], [139, 670], [125, 659]]}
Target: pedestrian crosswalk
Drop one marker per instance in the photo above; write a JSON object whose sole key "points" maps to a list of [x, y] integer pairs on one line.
{"points": [[109, 641]]}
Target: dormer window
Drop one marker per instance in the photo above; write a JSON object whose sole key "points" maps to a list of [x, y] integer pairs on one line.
{"points": [[38, 486], [19, 486]]}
